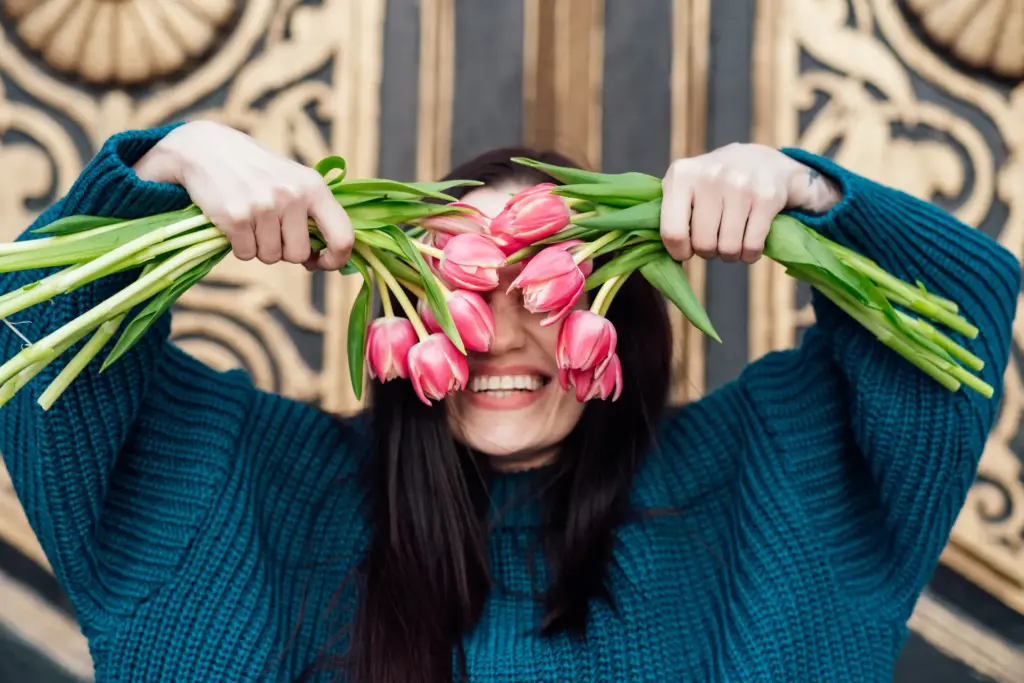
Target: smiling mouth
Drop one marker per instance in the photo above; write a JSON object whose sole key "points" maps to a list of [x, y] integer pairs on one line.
{"points": [[500, 386]]}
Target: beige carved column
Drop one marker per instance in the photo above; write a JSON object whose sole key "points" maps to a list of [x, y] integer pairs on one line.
{"points": [[971, 156], [89, 68]]}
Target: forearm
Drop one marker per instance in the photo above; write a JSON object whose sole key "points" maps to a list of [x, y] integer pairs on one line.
{"points": [[59, 460]]}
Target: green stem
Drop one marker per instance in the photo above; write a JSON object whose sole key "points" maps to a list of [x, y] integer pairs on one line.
{"points": [[395, 287], [930, 310], [427, 249], [874, 272], [585, 252], [173, 244], [16, 383], [608, 290], [416, 290], [400, 268], [943, 342], [876, 325], [75, 366], [11, 248], [616, 285], [161, 277], [385, 298], [68, 279]]}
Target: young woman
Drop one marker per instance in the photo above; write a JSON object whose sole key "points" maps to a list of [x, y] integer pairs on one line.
{"points": [[780, 529]]}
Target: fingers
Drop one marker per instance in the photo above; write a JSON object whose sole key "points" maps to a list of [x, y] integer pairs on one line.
{"points": [[268, 235], [767, 204], [737, 198], [295, 231], [676, 205], [334, 225], [707, 214], [238, 224]]}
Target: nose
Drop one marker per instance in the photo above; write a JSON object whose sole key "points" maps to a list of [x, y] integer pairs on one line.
{"points": [[509, 330]]}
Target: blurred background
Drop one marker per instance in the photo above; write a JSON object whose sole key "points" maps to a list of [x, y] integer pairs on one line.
{"points": [[924, 95]]}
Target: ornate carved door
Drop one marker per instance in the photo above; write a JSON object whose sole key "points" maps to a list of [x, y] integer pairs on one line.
{"points": [[927, 95]]}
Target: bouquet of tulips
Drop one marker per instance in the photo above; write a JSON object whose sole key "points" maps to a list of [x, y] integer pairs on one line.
{"points": [[414, 241]]}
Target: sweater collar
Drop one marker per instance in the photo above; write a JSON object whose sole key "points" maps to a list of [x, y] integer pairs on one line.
{"points": [[516, 498]]}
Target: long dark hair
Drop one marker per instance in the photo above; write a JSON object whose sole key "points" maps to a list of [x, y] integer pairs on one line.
{"points": [[424, 578]]}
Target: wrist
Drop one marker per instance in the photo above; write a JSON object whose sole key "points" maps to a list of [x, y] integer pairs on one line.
{"points": [[161, 164], [810, 190], [168, 159]]}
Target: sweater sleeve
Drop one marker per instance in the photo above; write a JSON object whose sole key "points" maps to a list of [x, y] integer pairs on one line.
{"points": [[109, 527], [878, 455]]}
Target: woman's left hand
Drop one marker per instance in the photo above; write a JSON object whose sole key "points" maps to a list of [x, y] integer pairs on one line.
{"points": [[722, 203]]}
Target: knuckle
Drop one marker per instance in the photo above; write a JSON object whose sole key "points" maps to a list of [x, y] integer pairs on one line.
{"points": [[678, 169], [739, 182], [311, 183], [268, 257], [704, 244], [286, 194], [237, 212]]}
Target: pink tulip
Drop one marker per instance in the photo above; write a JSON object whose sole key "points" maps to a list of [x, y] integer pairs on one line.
{"points": [[531, 215], [585, 342], [472, 316], [469, 220], [388, 341], [587, 266], [590, 386], [471, 261], [436, 368], [552, 283]]}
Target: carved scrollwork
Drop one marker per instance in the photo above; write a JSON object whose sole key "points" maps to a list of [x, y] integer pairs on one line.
{"points": [[985, 34], [865, 110], [283, 325], [119, 41]]}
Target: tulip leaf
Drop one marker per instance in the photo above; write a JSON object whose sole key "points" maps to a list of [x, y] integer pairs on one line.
{"points": [[579, 176], [793, 244], [400, 268], [576, 232], [622, 194], [378, 239], [396, 211], [435, 296], [69, 225], [332, 163], [667, 276], [157, 306], [388, 187], [646, 216], [358, 321], [627, 262]]}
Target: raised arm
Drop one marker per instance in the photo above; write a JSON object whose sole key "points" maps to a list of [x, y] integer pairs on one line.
{"points": [[919, 442], [876, 456], [106, 476]]}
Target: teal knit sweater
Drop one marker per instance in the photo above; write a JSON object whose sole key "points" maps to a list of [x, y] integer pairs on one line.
{"points": [[201, 527]]}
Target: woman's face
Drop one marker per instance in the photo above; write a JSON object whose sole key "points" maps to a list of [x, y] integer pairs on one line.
{"points": [[513, 409]]}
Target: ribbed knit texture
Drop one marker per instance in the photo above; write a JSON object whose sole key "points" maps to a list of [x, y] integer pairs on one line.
{"points": [[202, 528]]}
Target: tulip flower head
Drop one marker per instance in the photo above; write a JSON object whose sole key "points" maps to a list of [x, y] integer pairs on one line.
{"points": [[437, 368], [586, 341], [472, 316], [388, 341], [531, 215], [469, 220], [551, 282], [590, 386], [471, 261]]}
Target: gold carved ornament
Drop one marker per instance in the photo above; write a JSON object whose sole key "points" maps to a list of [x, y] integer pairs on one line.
{"points": [[860, 94], [244, 314]]}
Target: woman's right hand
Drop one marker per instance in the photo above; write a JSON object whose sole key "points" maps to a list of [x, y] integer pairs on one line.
{"points": [[261, 200]]}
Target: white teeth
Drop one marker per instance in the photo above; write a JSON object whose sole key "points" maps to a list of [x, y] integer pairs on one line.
{"points": [[503, 385]]}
